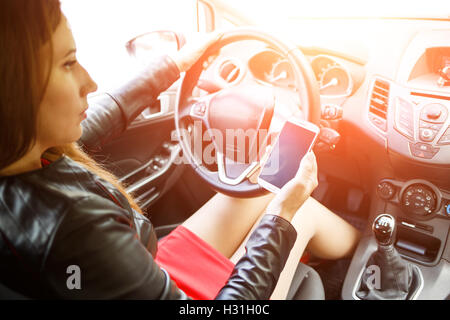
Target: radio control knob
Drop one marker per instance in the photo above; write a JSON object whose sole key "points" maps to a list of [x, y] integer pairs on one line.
{"points": [[427, 134], [434, 113], [386, 190], [419, 200]]}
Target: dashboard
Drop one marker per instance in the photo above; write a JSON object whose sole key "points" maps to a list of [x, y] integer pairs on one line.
{"points": [[413, 121], [395, 102], [333, 77], [409, 112]]}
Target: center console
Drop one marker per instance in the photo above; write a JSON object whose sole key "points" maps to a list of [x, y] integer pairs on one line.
{"points": [[412, 116], [422, 216]]}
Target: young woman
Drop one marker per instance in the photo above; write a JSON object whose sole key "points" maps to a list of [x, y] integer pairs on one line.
{"points": [[61, 212]]}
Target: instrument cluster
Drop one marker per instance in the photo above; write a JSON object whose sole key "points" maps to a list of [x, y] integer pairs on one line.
{"points": [[271, 68], [334, 79]]}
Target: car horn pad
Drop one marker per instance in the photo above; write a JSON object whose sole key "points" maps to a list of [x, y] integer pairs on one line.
{"points": [[242, 115]]}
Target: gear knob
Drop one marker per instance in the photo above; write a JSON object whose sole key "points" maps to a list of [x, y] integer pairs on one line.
{"points": [[384, 229]]}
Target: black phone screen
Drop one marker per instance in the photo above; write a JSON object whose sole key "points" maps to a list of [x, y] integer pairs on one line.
{"points": [[284, 160]]}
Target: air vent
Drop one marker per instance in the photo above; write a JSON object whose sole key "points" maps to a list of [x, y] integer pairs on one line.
{"points": [[378, 104], [229, 71]]}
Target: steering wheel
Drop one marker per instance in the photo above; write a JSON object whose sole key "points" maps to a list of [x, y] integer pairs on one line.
{"points": [[240, 107]]}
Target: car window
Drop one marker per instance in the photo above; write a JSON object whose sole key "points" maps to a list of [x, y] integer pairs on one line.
{"points": [[288, 9], [102, 27]]}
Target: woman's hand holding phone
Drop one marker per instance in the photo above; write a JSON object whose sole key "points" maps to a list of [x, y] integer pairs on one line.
{"points": [[294, 193]]}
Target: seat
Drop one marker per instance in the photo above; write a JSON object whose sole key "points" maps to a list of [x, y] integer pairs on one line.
{"points": [[8, 294], [306, 284]]}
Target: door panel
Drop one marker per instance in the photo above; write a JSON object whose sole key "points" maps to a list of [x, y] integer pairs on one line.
{"points": [[142, 158]]}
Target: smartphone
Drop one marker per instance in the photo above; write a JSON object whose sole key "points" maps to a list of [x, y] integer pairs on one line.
{"points": [[295, 140]]}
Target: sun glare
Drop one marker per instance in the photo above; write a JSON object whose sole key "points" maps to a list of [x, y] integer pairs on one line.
{"points": [[343, 8]]}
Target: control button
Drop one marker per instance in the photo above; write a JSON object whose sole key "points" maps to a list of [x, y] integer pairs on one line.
{"points": [[159, 161], [423, 150], [331, 112], [445, 213], [434, 112], [427, 134], [149, 170], [445, 139], [385, 190], [404, 121], [432, 126], [199, 109]]}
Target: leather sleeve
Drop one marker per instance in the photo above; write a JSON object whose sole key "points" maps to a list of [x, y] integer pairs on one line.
{"points": [[97, 237], [109, 114], [255, 275]]}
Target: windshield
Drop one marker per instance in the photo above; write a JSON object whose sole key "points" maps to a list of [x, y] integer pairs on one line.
{"points": [[102, 27], [288, 9]]}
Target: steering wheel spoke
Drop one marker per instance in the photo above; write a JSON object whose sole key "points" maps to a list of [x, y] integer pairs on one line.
{"points": [[233, 173], [197, 109]]}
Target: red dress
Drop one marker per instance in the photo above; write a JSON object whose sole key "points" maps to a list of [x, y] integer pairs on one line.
{"points": [[196, 267]]}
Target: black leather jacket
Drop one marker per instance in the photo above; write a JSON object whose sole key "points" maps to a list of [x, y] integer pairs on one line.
{"points": [[63, 215]]}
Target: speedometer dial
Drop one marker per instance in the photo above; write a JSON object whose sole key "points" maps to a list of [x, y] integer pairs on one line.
{"points": [[282, 74], [335, 81], [270, 67]]}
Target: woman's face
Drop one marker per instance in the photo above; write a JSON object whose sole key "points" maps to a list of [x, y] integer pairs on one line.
{"points": [[65, 101]]}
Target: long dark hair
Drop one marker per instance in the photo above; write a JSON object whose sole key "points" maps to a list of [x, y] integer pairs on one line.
{"points": [[25, 27]]}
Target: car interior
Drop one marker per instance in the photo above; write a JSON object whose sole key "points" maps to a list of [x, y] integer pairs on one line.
{"points": [[378, 87]]}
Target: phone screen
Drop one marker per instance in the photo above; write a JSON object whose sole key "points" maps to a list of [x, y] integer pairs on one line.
{"points": [[292, 145]]}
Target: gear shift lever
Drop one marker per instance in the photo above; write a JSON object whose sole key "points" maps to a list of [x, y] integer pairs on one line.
{"points": [[384, 229], [397, 278]]}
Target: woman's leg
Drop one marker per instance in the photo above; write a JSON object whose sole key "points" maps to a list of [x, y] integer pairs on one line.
{"points": [[224, 221], [324, 234]]}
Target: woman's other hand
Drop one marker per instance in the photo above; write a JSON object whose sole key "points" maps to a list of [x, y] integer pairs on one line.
{"points": [[193, 50], [296, 191]]}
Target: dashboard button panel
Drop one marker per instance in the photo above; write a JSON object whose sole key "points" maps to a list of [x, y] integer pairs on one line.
{"points": [[423, 150], [423, 122], [418, 198]]}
